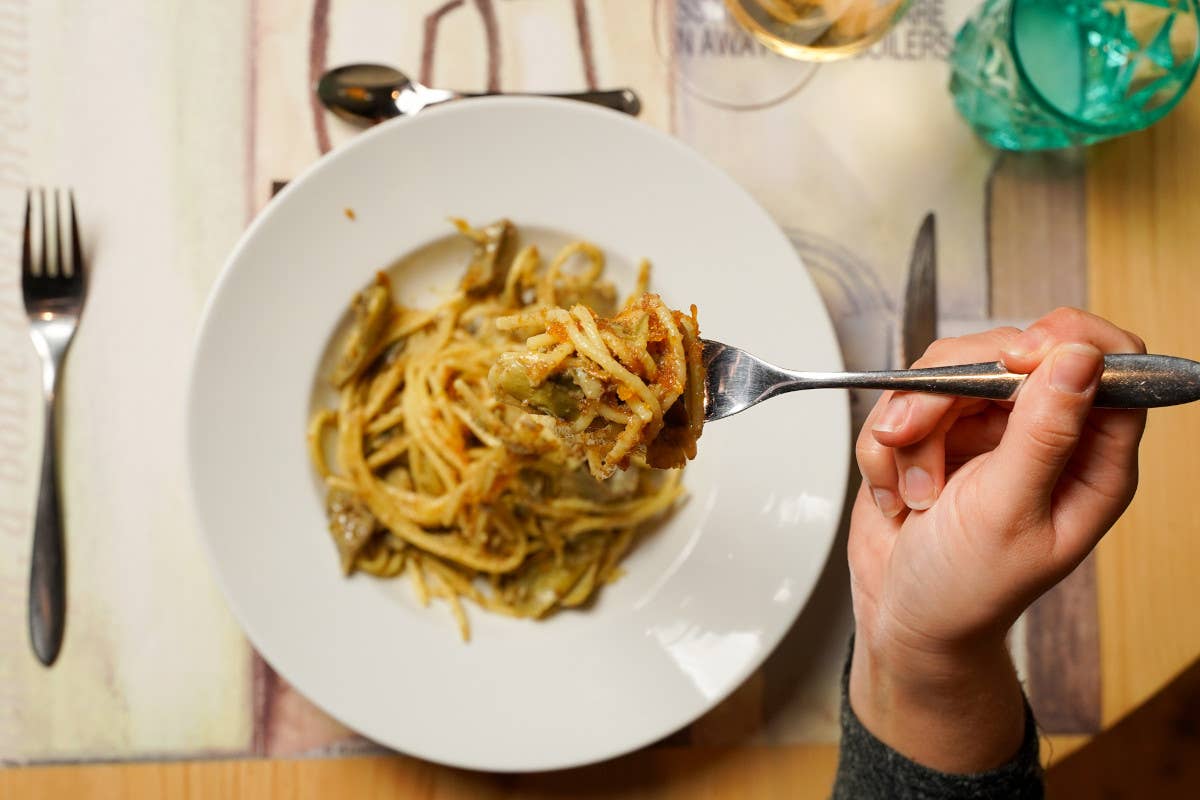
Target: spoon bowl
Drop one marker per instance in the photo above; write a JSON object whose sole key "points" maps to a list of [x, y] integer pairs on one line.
{"points": [[366, 92]]}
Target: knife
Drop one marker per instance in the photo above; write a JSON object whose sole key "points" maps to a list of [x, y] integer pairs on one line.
{"points": [[918, 322]]}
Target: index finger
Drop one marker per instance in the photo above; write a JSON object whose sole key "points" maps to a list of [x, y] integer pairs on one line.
{"points": [[909, 417], [1023, 353]]}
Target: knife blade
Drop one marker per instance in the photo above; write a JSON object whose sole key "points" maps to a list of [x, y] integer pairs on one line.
{"points": [[918, 325]]}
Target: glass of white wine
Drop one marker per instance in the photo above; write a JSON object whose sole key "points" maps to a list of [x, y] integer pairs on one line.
{"points": [[716, 60], [817, 30]]}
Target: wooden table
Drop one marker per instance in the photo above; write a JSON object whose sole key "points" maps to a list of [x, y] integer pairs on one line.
{"points": [[1143, 207]]}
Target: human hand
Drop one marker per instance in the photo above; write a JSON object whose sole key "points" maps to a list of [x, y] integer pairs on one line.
{"points": [[969, 510]]}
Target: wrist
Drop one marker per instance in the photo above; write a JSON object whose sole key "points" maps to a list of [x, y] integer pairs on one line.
{"points": [[958, 710]]}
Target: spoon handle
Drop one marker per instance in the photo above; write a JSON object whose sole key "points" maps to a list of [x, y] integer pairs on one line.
{"points": [[1129, 380], [625, 100]]}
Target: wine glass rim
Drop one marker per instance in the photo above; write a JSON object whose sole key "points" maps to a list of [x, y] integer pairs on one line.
{"points": [[1084, 125], [819, 55], [806, 70]]}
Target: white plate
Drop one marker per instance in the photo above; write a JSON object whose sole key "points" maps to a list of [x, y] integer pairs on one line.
{"points": [[704, 599]]}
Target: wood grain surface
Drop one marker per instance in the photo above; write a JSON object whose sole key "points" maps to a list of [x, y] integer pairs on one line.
{"points": [[1143, 205], [1152, 752], [682, 773]]}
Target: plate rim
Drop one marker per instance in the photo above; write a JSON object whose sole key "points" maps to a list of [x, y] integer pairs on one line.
{"points": [[193, 429]]}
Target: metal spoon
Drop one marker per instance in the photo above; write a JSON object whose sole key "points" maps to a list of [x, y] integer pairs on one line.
{"points": [[736, 380], [370, 93]]}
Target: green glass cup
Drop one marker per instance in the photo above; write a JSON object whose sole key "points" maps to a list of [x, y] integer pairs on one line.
{"points": [[1042, 74]]}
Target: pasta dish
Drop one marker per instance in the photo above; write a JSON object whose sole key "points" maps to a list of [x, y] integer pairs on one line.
{"points": [[509, 445]]}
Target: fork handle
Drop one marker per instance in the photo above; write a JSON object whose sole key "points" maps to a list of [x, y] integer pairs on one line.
{"points": [[1129, 380], [47, 581]]}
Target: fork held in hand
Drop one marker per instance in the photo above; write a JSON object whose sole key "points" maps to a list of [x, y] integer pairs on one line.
{"points": [[736, 380], [53, 285]]}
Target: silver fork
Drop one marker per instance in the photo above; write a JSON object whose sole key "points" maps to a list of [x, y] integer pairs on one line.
{"points": [[735, 380], [54, 287]]}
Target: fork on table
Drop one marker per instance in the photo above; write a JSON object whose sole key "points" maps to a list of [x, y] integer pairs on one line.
{"points": [[53, 282]]}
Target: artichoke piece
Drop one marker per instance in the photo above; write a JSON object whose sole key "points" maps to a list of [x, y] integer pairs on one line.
{"points": [[372, 309], [559, 396], [541, 584], [494, 251], [600, 297], [351, 524], [583, 588], [623, 485]]}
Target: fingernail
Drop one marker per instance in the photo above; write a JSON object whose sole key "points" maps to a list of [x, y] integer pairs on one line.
{"points": [[1075, 368], [918, 489], [887, 501], [894, 415], [1029, 342]]}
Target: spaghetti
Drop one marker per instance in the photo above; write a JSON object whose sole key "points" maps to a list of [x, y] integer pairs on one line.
{"points": [[624, 390], [436, 475]]}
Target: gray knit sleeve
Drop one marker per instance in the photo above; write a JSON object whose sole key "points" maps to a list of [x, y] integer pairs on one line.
{"points": [[868, 768]]}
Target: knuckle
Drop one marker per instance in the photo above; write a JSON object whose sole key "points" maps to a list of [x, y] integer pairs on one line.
{"points": [[1136, 343], [1003, 335], [877, 465], [936, 353], [1068, 316], [1067, 323], [976, 346], [940, 347], [868, 451], [865, 440]]}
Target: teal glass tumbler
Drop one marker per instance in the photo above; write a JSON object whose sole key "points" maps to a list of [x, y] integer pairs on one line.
{"points": [[1042, 74]]}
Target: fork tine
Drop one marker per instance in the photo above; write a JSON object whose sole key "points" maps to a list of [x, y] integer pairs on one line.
{"points": [[76, 249], [45, 261], [60, 258], [26, 255]]}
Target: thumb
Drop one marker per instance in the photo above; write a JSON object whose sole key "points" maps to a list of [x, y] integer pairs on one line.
{"points": [[1045, 425]]}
